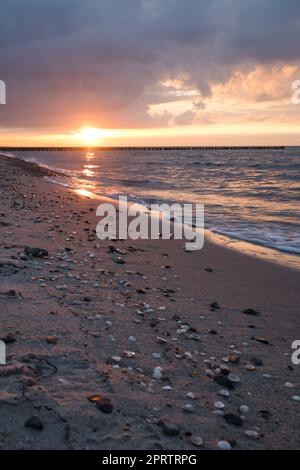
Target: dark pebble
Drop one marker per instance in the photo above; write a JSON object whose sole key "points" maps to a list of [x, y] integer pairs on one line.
{"points": [[104, 404], [36, 252], [231, 418], [35, 423], [223, 381], [250, 311]]}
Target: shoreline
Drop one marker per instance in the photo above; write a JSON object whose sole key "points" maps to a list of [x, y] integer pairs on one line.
{"points": [[96, 318], [279, 257]]}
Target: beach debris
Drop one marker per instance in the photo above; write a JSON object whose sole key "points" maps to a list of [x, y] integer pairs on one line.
{"points": [[233, 419], [169, 428], [34, 423], [251, 311], [104, 404], [36, 252], [224, 445]]}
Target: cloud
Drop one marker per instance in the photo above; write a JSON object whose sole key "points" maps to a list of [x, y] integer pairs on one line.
{"points": [[68, 62]]}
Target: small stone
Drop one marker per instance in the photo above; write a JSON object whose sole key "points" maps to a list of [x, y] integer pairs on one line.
{"points": [[250, 311], [195, 440], [191, 395], [234, 378], [8, 339], [36, 252], [250, 367], [244, 409], [289, 385], [119, 260], [51, 340], [233, 358], [296, 398], [252, 434], [156, 355], [219, 405], [256, 361], [34, 423], [224, 445], [262, 340], [224, 393], [224, 381], [214, 306], [157, 373], [233, 419], [104, 404], [188, 408], [140, 290], [132, 339], [169, 428]]}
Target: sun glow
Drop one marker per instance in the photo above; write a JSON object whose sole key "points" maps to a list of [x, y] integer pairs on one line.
{"points": [[90, 135]]}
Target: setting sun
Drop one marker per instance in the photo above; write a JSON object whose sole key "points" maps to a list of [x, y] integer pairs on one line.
{"points": [[90, 135]]}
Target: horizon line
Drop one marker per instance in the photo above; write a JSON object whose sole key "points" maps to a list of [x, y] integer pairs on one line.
{"points": [[47, 148]]}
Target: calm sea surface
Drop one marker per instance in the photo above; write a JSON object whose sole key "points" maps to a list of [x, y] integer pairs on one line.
{"points": [[249, 195]]}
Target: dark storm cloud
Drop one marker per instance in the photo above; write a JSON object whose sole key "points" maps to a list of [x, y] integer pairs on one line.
{"points": [[67, 62]]}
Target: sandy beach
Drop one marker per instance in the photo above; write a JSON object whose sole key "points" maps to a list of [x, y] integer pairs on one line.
{"points": [[136, 344]]}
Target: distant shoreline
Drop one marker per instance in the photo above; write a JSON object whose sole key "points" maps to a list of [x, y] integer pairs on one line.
{"points": [[141, 148]]}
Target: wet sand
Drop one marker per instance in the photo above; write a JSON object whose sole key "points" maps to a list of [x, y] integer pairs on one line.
{"points": [[87, 325]]}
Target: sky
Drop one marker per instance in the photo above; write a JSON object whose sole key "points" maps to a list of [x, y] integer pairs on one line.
{"points": [[149, 72]]}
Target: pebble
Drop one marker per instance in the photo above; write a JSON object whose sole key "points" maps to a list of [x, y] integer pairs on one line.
{"points": [[244, 409], [157, 373], [35, 423], [250, 367], [250, 311], [188, 408], [252, 434], [191, 395], [51, 340], [224, 381], [233, 358], [224, 393], [195, 440], [156, 355], [289, 385], [233, 419], [234, 378], [224, 445], [219, 405], [132, 339], [296, 398], [169, 428], [104, 404]]}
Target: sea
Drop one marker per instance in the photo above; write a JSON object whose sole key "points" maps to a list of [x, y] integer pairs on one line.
{"points": [[251, 197]]}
